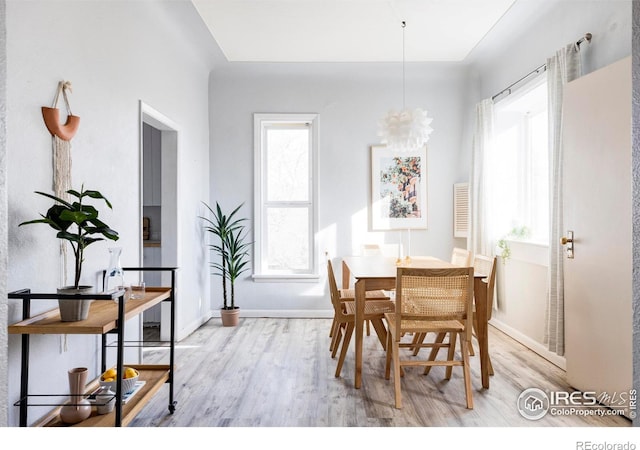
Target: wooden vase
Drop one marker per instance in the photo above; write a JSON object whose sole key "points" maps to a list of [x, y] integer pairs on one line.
{"points": [[78, 408]]}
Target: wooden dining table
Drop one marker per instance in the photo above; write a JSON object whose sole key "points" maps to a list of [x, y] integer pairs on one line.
{"points": [[379, 272]]}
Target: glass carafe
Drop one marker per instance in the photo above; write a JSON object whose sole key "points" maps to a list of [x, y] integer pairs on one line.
{"points": [[114, 278]]}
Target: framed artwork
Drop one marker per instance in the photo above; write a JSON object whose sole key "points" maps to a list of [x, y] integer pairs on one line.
{"points": [[398, 189]]}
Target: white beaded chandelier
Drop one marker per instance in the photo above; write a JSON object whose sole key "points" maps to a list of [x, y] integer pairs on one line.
{"points": [[408, 129]]}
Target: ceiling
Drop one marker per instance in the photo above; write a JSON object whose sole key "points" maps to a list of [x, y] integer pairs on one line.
{"points": [[349, 30]]}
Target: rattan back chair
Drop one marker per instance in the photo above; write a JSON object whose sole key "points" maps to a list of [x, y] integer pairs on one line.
{"points": [[344, 319], [485, 265], [348, 294], [431, 300], [461, 257]]}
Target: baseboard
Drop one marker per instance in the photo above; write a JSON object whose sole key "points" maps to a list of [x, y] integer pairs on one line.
{"points": [[533, 345], [283, 314]]}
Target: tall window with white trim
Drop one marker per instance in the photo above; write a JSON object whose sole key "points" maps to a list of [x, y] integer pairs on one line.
{"points": [[285, 195], [518, 165]]}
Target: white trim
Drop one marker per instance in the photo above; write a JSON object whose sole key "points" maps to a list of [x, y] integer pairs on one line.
{"points": [[260, 273], [289, 278], [283, 314], [532, 344]]}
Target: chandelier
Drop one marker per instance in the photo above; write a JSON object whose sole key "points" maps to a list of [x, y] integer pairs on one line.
{"points": [[408, 129]]}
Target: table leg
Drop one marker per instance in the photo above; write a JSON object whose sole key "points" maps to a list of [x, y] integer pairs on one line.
{"points": [[480, 295], [360, 299]]}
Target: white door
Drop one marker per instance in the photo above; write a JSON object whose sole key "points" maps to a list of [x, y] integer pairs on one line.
{"points": [[597, 205]]}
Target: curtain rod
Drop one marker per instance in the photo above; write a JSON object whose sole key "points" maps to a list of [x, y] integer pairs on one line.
{"points": [[537, 70]]}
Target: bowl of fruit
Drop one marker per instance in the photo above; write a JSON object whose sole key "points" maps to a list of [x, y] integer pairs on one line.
{"points": [[108, 378]]}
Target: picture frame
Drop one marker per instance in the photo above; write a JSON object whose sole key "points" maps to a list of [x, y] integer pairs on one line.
{"points": [[398, 189]]}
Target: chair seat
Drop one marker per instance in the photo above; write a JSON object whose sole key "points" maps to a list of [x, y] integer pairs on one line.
{"points": [[374, 308], [424, 326], [350, 294]]}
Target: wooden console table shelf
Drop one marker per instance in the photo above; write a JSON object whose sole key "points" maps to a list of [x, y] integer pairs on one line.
{"points": [[106, 316], [154, 375], [102, 318]]}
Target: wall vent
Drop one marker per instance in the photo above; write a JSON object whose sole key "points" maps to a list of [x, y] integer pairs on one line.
{"points": [[461, 210]]}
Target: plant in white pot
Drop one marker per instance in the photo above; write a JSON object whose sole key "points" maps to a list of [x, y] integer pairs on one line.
{"points": [[232, 248], [78, 224]]}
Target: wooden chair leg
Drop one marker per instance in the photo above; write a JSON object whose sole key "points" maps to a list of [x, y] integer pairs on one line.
{"points": [[387, 366], [451, 353], [475, 327], [434, 351], [418, 339], [368, 328], [467, 374], [335, 340], [395, 356], [345, 346], [475, 322], [381, 331], [334, 329]]}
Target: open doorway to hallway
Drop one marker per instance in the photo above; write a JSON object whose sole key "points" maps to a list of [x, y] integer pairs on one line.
{"points": [[159, 211]]}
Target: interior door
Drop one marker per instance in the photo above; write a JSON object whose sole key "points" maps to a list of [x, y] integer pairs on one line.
{"points": [[597, 208]]}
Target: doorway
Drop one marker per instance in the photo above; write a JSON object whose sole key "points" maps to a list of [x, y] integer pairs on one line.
{"points": [[158, 211]]}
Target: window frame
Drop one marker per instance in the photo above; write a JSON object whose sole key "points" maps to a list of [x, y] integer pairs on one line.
{"points": [[525, 188], [261, 122]]}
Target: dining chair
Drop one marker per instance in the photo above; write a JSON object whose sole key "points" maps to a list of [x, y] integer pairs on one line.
{"points": [[461, 257], [371, 249], [348, 294], [485, 265], [431, 300], [345, 315]]}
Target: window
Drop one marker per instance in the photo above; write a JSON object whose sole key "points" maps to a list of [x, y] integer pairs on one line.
{"points": [[285, 196], [518, 165]]}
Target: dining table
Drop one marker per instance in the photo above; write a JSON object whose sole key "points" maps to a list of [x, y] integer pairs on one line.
{"points": [[375, 272]]}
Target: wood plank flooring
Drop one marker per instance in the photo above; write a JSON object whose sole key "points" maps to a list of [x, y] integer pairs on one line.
{"points": [[279, 373]]}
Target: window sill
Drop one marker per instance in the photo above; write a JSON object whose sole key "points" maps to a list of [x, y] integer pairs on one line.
{"points": [[285, 278], [528, 252]]}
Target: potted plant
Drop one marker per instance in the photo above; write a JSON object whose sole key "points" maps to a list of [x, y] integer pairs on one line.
{"points": [[77, 223], [232, 248]]}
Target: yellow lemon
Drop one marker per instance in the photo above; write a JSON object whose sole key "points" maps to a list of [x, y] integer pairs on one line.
{"points": [[111, 373], [108, 380], [130, 373]]}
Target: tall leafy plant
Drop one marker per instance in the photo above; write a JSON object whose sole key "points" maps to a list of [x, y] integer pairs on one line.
{"points": [[231, 247], [77, 223]]}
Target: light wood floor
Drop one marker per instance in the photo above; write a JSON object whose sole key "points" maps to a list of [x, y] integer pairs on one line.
{"points": [[279, 373]]}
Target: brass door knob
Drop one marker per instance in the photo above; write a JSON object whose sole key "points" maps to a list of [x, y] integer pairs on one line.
{"points": [[566, 240]]}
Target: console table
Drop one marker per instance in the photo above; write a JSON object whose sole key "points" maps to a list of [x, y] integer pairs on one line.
{"points": [[106, 316]]}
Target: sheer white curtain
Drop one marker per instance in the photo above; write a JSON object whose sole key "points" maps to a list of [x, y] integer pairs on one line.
{"points": [[562, 67], [480, 240]]}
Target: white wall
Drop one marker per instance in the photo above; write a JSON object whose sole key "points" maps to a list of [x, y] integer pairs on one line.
{"points": [[506, 55], [115, 54], [350, 99], [3, 216]]}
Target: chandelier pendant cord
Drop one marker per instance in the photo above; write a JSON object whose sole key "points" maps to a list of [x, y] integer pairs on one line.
{"points": [[406, 130], [404, 25]]}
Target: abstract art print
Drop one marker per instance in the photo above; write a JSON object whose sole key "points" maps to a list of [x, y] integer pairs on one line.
{"points": [[398, 189]]}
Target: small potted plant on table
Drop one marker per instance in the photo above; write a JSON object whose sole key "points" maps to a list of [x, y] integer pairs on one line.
{"points": [[78, 224], [233, 251]]}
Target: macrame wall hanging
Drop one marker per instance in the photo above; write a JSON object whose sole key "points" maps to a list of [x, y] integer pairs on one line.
{"points": [[61, 136]]}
